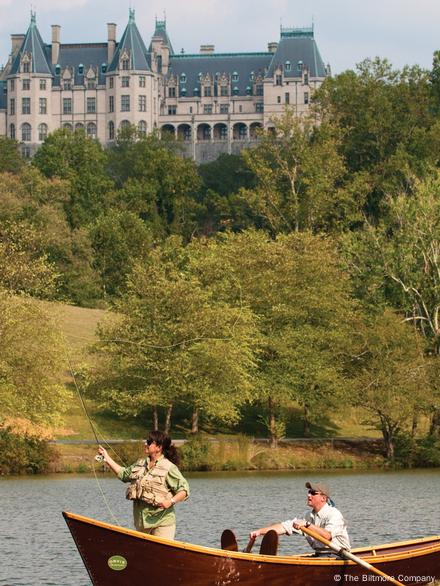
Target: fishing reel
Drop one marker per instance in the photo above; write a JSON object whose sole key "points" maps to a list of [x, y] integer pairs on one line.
{"points": [[99, 458]]}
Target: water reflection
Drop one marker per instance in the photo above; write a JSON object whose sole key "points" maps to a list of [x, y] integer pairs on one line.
{"points": [[37, 548]]}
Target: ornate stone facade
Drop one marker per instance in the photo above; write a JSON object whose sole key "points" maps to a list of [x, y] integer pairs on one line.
{"points": [[214, 102]]}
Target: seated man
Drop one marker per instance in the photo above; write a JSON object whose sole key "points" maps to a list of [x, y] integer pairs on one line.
{"points": [[324, 519]]}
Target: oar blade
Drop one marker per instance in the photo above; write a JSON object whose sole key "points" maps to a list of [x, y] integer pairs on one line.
{"points": [[228, 540], [269, 543]]}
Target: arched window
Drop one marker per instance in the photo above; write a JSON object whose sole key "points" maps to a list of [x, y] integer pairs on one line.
{"points": [[111, 130], [248, 90], [81, 69], [183, 78], [183, 91], [12, 131], [26, 132], [42, 132], [103, 67], [124, 124], [235, 91], [235, 76], [79, 126], [57, 69], [68, 126], [287, 66], [300, 65], [91, 130], [142, 127]]}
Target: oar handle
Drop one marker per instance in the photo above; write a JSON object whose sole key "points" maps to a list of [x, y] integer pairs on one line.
{"points": [[250, 544], [348, 555]]}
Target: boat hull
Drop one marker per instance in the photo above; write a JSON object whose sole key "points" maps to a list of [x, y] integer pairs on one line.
{"points": [[115, 556]]}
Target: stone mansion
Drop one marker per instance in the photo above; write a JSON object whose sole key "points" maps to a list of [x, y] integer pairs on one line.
{"points": [[214, 102]]}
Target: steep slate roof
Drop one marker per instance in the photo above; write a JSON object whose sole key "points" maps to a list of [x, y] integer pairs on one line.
{"points": [[86, 54], [295, 46], [161, 31], [217, 63], [3, 95], [33, 43], [132, 42], [298, 45]]}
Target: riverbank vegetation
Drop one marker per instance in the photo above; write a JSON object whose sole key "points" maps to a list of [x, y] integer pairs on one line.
{"points": [[284, 289]]}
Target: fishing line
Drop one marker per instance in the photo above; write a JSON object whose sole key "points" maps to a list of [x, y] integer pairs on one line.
{"points": [[112, 515]]}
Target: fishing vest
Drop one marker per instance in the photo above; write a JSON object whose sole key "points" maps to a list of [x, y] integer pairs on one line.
{"points": [[147, 485]]}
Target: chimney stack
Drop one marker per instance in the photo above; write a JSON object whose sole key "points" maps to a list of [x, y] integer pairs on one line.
{"points": [[16, 43], [207, 49], [111, 41], [56, 36]]}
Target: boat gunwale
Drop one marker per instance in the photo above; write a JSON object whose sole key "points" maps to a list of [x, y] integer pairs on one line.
{"points": [[299, 559]]}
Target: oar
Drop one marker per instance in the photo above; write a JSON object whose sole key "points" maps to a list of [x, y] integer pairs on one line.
{"points": [[248, 547], [348, 555], [228, 540]]}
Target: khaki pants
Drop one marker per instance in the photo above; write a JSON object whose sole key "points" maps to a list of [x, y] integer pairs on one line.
{"points": [[168, 532]]}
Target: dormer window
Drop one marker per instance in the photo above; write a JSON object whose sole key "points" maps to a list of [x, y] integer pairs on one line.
{"points": [[125, 64], [57, 69], [235, 77], [287, 66], [235, 91], [81, 69], [300, 65], [199, 77], [183, 91], [252, 76], [26, 67], [182, 78], [103, 67], [248, 90], [196, 91]]}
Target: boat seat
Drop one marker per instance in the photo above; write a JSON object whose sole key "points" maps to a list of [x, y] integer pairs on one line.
{"points": [[269, 543]]}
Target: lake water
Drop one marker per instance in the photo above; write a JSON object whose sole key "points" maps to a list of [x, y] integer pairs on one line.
{"points": [[36, 548]]}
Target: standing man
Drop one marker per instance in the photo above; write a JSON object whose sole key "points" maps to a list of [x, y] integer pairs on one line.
{"points": [[324, 519]]}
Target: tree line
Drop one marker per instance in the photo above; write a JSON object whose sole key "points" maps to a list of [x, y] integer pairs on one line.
{"points": [[304, 271]]}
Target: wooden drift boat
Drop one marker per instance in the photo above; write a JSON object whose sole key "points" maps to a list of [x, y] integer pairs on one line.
{"points": [[115, 556]]}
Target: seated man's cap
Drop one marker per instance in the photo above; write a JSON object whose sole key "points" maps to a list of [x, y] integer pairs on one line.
{"points": [[319, 487]]}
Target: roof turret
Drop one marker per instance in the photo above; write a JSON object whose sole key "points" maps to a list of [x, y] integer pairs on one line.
{"points": [[161, 32], [132, 45], [297, 48], [34, 46]]}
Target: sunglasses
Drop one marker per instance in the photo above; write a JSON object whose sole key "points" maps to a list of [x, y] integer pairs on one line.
{"points": [[314, 492]]}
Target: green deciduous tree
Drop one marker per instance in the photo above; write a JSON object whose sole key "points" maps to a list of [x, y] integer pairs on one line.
{"points": [[390, 133], [174, 343], [119, 239], [301, 298], [155, 182], [30, 362], [82, 162], [11, 160], [390, 376], [298, 173]]}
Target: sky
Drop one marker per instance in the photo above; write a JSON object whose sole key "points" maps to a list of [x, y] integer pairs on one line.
{"points": [[406, 32]]}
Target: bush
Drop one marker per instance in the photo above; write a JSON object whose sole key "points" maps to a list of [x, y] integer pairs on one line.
{"points": [[428, 453], [195, 454], [24, 455]]}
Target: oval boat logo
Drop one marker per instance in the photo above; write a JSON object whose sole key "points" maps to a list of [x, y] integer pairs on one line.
{"points": [[117, 562]]}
